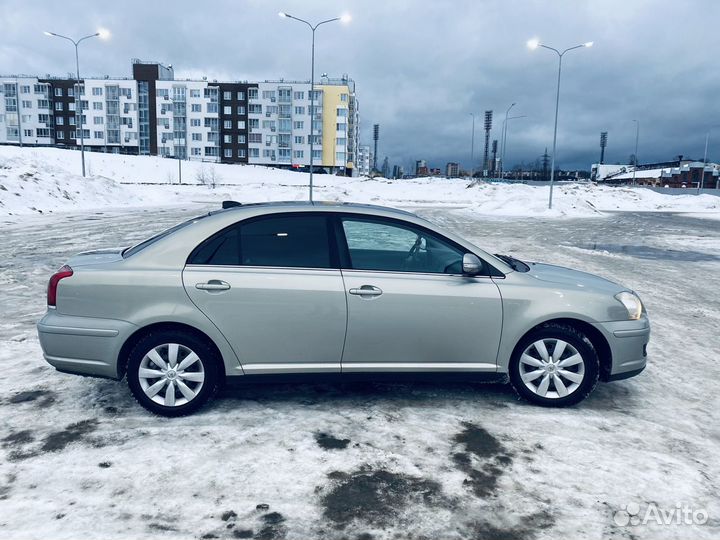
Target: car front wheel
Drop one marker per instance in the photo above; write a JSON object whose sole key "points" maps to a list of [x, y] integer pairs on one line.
{"points": [[555, 365], [172, 373]]}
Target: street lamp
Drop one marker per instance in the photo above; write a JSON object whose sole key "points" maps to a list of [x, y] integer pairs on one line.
{"points": [[534, 44], [102, 34], [344, 19], [702, 176], [637, 138], [504, 141]]}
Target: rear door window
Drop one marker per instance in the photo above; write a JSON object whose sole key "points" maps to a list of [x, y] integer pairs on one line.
{"points": [[289, 241]]}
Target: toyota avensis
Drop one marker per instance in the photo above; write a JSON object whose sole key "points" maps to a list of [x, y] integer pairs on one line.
{"points": [[290, 288]]}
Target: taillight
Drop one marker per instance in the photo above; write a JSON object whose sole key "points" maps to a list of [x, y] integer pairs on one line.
{"points": [[64, 272]]}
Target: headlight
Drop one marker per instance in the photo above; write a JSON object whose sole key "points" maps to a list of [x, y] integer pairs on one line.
{"points": [[632, 303]]}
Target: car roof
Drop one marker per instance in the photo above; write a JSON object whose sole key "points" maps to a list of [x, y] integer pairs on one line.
{"points": [[315, 205]]}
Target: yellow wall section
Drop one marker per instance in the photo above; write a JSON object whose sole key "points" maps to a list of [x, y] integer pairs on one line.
{"points": [[331, 102]]}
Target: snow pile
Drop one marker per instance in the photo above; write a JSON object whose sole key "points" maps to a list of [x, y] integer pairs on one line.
{"points": [[47, 179], [28, 185]]}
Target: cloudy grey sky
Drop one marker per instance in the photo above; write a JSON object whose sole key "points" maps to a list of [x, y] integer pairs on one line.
{"points": [[422, 66]]}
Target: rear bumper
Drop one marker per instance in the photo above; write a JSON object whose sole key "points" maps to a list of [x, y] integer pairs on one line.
{"points": [[628, 344], [82, 345]]}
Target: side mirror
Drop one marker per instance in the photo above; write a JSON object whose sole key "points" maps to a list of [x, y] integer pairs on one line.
{"points": [[471, 264]]}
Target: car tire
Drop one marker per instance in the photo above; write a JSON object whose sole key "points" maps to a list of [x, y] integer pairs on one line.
{"points": [[175, 389], [569, 380]]}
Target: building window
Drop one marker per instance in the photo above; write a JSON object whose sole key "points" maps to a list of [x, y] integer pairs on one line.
{"points": [[71, 93], [211, 151], [97, 106], [227, 152], [58, 105], [268, 94], [227, 139], [340, 156], [241, 109], [58, 92], [195, 93], [299, 139], [241, 139], [227, 109], [343, 97], [255, 108], [72, 134], [255, 138], [27, 132], [98, 120], [84, 105], [60, 135], [43, 104], [340, 127], [195, 122], [227, 96], [241, 96], [71, 106], [212, 107], [242, 153], [299, 110], [99, 135], [241, 124], [341, 141], [26, 104], [299, 154], [196, 107], [227, 124], [71, 121], [298, 95], [60, 121], [342, 113], [196, 151], [254, 123], [97, 91], [252, 93], [254, 152], [317, 154], [298, 125], [197, 136], [25, 89]]}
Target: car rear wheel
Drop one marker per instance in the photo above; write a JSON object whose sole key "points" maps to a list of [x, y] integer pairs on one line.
{"points": [[555, 365], [172, 373]]}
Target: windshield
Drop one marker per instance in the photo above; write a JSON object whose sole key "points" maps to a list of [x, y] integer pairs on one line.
{"points": [[129, 252]]}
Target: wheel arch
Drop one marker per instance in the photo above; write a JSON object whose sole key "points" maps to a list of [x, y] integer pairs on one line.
{"points": [[136, 336], [599, 342]]}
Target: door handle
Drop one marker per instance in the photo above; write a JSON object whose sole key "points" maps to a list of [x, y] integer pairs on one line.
{"points": [[366, 290], [213, 285]]}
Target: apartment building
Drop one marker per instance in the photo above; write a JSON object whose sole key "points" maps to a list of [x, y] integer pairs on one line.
{"points": [[152, 113]]}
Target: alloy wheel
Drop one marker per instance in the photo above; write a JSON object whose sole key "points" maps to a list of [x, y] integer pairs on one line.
{"points": [[171, 374], [552, 368]]}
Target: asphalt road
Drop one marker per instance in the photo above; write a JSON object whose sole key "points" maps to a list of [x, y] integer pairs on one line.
{"points": [[80, 458]]}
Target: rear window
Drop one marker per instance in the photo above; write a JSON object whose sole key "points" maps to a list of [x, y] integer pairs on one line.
{"points": [[299, 241], [129, 252]]}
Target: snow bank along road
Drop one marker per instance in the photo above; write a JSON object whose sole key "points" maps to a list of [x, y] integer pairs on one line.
{"points": [[81, 459]]}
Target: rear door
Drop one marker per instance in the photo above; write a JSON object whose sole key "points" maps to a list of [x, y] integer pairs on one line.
{"points": [[273, 287], [409, 306]]}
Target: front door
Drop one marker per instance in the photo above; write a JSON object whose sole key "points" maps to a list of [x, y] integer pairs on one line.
{"points": [[271, 287], [409, 306]]}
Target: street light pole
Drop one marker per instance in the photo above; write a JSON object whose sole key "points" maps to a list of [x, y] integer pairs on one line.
{"points": [[502, 140], [637, 138], [78, 101], [505, 132], [345, 19], [702, 176], [534, 44]]}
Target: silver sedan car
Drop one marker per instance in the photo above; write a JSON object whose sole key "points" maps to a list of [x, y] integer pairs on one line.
{"points": [[260, 290]]}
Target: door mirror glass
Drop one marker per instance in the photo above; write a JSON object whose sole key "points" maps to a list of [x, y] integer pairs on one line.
{"points": [[471, 264]]}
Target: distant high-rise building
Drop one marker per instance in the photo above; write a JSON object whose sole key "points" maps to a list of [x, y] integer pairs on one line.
{"points": [[421, 167], [452, 170], [364, 160]]}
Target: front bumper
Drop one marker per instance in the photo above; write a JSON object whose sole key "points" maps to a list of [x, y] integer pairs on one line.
{"points": [[82, 345], [628, 342]]}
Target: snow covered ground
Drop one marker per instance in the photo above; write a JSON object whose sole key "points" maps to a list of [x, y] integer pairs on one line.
{"points": [[81, 459], [43, 180]]}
